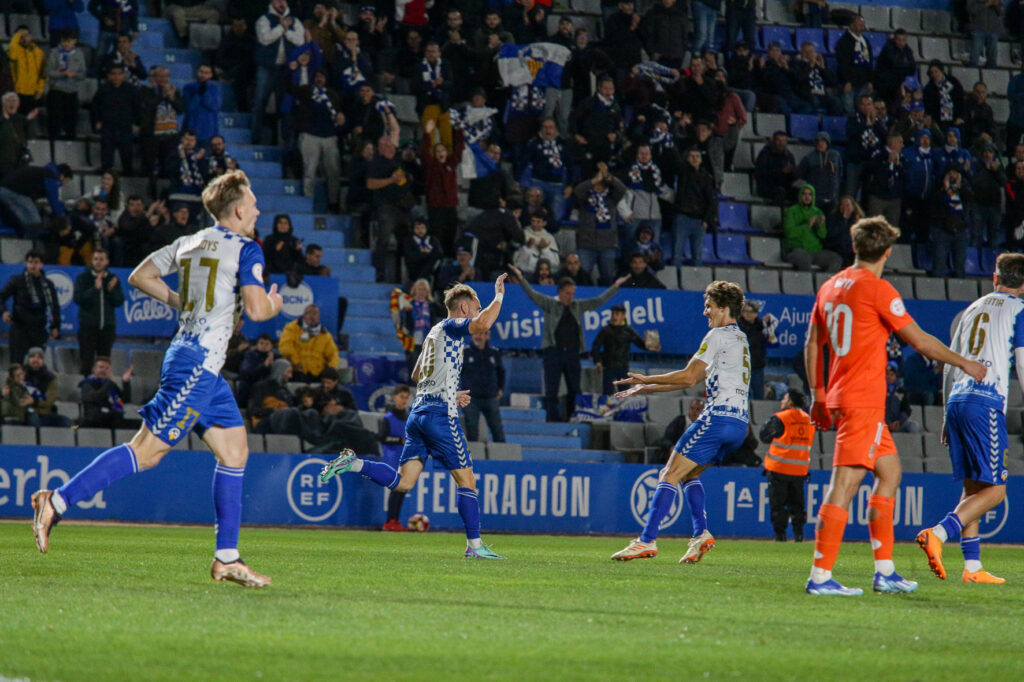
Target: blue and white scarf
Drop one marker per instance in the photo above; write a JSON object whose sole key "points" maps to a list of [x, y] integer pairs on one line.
{"points": [[659, 74], [191, 174], [321, 98], [351, 76], [431, 72], [125, 6], [945, 100], [552, 152], [63, 58], [129, 75], [598, 205], [527, 99], [603, 103], [662, 140], [384, 107], [861, 50], [639, 171], [420, 320], [817, 82], [424, 244], [476, 123]]}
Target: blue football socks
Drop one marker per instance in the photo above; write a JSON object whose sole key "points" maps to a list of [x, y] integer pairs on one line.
{"points": [[110, 466], [693, 491], [469, 510], [952, 525], [380, 473], [227, 505], [661, 503], [971, 547]]}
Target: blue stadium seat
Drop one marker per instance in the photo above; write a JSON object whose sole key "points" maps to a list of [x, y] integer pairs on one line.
{"points": [[264, 186], [732, 248], [834, 126], [237, 140], [262, 169], [356, 273], [923, 257], [803, 126], [812, 35], [368, 325], [234, 119], [280, 203], [709, 257], [236, 136], [833, 36], [170, 56], [975, 265], [876, 41], [777, 34], [183, 72], [734, 217]]}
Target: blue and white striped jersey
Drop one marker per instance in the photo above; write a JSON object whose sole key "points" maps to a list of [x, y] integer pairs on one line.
{"points": [[440, 365], [990, 331], [212, 265], [727, 355]]}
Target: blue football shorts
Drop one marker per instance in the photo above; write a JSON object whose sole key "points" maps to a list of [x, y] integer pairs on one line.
{"points": [[977, 442], [709, 439], [189, 398], [434, 434]]}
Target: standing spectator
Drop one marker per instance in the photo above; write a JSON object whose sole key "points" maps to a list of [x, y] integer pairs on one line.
{"points": [[116, 113], [705, 14], [665, 27], [133, 227], [563, 339], [854, 57], [460, 271], [498, 234], [639, 275], [392, 201], [97, 294], [13, 133], [986, 25], [317, 119], [896, 63], [28, 68], [696, 206], [884, 189], [920, 164], [185, 166], [308, 346], [546, 167], [494, 189], [823, 168], [20, 189], [572, 268], [234, 58], [648, 186], [760, 334], [275, 31], [803, 227], [812, 78], [979, 119], [774, 169], [103, 232], [1015, 124], [812, 12], [954, 155], [353, 67], [433, 93], [181, 12], [41, 384], [102, 400], [865, 135], [115, 17], [943, 97], [160, 104], [646, 246], [63, 18], [790, 435], [1015, 208], [538, 244], [422, 252], [483, 376], [202, 100], [915, 121], [778, 83], [134, 69], [371, 117], [950, 228], [839, 222], [740, 15], [987, 187], [597, 235], [596, 124], [65, 72], [324, 30], [312, 265], [610, 349], [35, 314], [623, 35], [897, 405], [440, 168], [109, 189], [282, 249]]}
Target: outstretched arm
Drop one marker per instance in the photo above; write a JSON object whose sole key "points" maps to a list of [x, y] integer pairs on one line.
{"points": [[693, 373], [486, 317], [930, 347]]}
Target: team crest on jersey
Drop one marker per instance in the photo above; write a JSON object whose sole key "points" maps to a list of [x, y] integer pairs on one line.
{"points": [[174, 433], [257, 271], [897, 308]]}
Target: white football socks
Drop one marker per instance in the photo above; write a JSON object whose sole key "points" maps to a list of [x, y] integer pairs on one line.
{"points": [[820, 575], [59, 505], [357, 466], [940, 532], [972, 565], [476, 543], [885, 566], [226, 556]]}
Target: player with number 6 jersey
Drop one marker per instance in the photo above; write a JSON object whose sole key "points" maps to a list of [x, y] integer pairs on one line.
{"points": [[991, 330], [854, 314], [216, 267]]}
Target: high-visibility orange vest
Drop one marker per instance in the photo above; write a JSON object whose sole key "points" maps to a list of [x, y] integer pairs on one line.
{"points": [[790, 453]]}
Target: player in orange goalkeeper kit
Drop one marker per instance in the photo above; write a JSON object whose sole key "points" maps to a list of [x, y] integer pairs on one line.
{"points": [[854, 313]]}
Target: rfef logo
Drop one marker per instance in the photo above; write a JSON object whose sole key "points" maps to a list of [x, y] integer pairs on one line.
{"points": [[310, 499], [640, 500], [992, 521]]}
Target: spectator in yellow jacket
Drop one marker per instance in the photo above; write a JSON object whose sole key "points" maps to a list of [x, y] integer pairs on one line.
{"points": [[27, 68], [308, 346]]}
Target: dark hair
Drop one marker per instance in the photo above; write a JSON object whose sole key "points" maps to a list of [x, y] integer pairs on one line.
{"points": [[65, 170], [135, 197], [330, 373], [541, 213], [637, 254], [115, 67], [188, 131], [725, 295], [566, 282], [1010, 270], [313, 248], [34, 253], [899, 32], [101, 358], [617, 308], [100, 249], [871, 237], [796, 396], [266, 336], [401, 388], [279, 217]]}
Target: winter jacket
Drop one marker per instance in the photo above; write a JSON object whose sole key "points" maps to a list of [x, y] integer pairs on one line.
{"points": [[796, 228], [37, 182], [944, 101], [56, 71], [116, 16], [979, 119], [309, 355], [273, 40], [202, 108], [598, 225], [62, 14], [953, 215], [117, 107], [284, 260], [985, 18], [885, 178], [987, 185], [768, 171], [35, 301], [853, 69], [864, 139], [893, 67], [1015, 93], [664, 30], [824, 171], [955, 158], [96, 307], [804, 77], [611, 345], [553, 311], [696, 196], [920, 170], [441, 181], [27, 68]]}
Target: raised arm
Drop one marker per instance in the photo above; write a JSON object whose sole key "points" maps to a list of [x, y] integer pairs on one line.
{"points": [[602, 298], [544, 302], [486, 317]]}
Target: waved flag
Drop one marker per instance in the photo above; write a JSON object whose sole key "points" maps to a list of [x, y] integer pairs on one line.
{"points": [[538, 64]]}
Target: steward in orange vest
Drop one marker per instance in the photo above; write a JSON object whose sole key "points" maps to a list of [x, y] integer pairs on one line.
{"points": [[790, 436]]}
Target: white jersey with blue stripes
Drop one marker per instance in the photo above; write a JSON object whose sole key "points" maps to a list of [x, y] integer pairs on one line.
{"points": [[439, 366], [990, 331], [212, 265], [727, 355]]}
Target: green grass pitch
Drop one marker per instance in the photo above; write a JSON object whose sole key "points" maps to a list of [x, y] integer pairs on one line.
{"points": [[127, 602]]}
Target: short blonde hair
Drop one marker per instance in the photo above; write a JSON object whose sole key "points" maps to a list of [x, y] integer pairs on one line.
{"points": [[224, 192], [455, 295]]}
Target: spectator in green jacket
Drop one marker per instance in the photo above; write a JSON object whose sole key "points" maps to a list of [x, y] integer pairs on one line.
{"points": [[803, 229]]}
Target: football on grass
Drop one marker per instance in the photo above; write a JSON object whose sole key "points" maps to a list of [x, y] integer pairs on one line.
{"points": [[419, 522]]}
